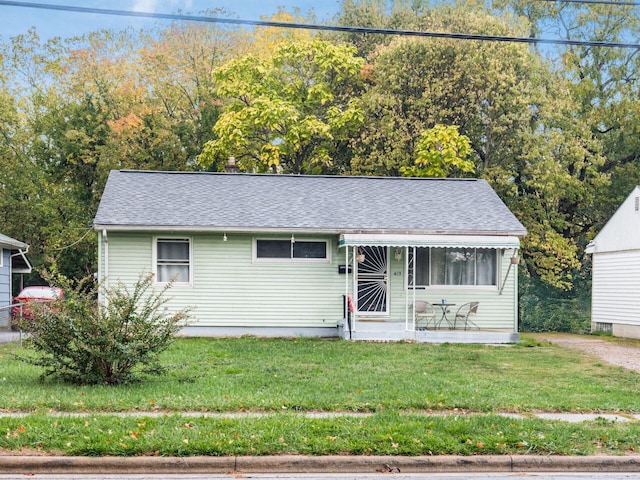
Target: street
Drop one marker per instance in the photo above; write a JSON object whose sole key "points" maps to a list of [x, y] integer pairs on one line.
{"points": [[341, 476]]}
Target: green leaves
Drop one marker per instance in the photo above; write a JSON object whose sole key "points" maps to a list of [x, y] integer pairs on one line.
{"points": [[289, 113], [82, 342], [441, 152]]}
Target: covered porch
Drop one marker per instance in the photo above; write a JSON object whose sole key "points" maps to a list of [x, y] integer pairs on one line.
{"points": [[390, 277]]}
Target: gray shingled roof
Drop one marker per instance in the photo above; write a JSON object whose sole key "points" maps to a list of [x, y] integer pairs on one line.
{"points": [[248, 202], [11, 242]]}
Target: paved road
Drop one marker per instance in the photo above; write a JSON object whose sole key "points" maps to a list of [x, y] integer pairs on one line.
{"points": [[344, 476]]}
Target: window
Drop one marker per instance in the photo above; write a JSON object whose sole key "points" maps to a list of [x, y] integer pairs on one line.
{"points": [[452, 266], [173, 260], [287, 250]]}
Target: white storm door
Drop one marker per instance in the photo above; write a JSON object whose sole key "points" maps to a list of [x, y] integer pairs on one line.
{"points": [[372, 280]]}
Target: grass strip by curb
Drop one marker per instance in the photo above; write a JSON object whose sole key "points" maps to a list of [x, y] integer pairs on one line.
{"points": [[379, 434]]}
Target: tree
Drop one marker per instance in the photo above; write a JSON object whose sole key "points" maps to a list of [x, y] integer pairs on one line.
{"points": [[519, 117], [292, 113], [488, 90], [440, 152], [77, 108]]}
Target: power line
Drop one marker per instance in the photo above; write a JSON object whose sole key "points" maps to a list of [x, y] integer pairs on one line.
{"points": [[308, 26], [598, 2]]}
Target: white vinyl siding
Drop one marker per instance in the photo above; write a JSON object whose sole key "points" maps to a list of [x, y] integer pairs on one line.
{"points": [[230, 289], [616, 287]]}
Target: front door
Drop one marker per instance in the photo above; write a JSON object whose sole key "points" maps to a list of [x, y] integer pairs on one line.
{"points": [[372, 279]]}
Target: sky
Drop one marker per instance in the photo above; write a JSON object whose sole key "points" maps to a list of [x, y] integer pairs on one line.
{"points": [[48, 23]]}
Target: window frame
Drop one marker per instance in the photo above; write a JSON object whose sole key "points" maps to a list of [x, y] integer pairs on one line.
{"points": [[291, 258], [169, 238], [2, 257], [409, 273]]}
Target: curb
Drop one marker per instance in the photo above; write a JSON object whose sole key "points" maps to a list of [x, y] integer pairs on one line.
{"points": [[307, 464]]}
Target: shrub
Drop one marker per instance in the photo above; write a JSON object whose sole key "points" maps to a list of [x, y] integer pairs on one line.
{"points": [[80, 341]]}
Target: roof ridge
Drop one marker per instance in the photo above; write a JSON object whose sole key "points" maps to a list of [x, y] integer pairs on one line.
{"points": [[292, 175]]}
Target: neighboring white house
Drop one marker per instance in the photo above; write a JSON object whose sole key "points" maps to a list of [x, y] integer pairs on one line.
{"points": [[276, 255], [615, 297]]}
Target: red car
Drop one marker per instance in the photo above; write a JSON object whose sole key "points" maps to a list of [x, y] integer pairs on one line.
{"points": [[32, 295]]}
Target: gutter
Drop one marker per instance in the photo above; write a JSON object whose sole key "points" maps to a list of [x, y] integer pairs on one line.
{"points": [[313, 231], [22, 253]]}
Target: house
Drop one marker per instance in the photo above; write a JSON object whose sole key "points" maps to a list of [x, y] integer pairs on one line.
{"points": [[615, 295], [12, 260], [277, 255]]}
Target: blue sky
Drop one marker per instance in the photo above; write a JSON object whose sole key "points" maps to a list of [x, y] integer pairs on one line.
{"points": [[48, 23]]}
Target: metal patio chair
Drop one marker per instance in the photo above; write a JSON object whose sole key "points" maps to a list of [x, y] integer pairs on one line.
{"points": [[424, 311], [463, 314]]}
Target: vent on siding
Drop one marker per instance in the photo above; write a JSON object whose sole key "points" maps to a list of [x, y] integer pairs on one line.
{"points": [[603, 327], [637, 203]]}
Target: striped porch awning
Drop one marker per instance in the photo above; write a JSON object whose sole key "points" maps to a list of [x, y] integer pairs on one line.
{"points": [[409, 240]]}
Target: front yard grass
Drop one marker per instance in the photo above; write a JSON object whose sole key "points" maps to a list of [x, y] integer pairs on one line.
{"points": [[396, 382]]}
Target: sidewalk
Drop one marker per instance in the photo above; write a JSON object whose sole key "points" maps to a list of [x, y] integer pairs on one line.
{"points": [[324, 464], [7, 335]]}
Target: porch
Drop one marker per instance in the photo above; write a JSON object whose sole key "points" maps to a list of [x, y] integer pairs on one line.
{"points": [[379, 331], [390, 277]]}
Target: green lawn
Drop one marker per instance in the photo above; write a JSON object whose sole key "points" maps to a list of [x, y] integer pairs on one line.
{"points": [[397, 382]]}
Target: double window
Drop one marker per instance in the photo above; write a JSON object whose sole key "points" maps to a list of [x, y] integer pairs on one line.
{"points": [[298, 250], [173, 260], [452, 266]]}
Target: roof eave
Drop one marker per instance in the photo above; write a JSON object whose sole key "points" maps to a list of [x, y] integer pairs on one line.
{"points": [[13, 245], [331, 231]]}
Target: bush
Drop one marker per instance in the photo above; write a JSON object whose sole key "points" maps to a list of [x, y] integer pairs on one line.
{"points": [[80, 341]]}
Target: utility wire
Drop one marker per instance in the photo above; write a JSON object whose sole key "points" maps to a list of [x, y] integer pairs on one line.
{"points": [[74, 243], [308, 26], [598, 2]]}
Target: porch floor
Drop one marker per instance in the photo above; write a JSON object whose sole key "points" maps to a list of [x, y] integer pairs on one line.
{"points": [[395, 331]]}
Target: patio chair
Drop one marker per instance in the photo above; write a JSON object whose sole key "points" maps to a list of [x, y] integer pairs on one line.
{"points": [[424, 311], [463, 314]]}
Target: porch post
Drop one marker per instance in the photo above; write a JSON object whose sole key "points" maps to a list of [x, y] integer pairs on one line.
{"points": [[347, 323], [413, 269], [353, 290], [406, 286]]}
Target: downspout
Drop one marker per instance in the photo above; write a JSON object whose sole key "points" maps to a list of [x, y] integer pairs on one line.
{"points": [[105, 276], [514, 260], [515, 300]]}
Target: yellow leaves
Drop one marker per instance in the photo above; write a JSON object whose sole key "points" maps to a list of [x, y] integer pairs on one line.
{"points": [[441, 152], [288, 117], [16, 433], [129, 123]]}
